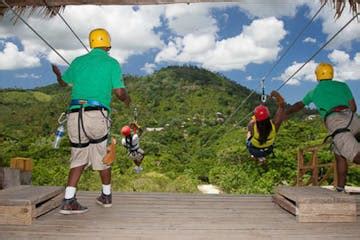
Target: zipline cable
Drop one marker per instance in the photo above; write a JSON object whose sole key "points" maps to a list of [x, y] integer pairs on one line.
{"points": [[295, 40], [263, 97], [68, 25], [34, 31], [317, 52], [314, 55]]}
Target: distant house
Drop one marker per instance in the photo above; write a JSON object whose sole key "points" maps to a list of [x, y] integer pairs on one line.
{"points": [[311, 117]]}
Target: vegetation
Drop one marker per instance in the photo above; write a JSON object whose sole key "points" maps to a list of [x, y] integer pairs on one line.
{"points": [[195, 147]]}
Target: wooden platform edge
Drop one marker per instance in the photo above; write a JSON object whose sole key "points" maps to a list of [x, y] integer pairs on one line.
{"points": [[48, 205], [284, 203]]}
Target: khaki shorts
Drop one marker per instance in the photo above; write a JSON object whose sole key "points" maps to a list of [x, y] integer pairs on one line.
{"points": [[345, 144], [96, 126]]}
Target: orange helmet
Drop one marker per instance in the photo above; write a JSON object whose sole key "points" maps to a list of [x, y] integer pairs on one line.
{"points": [[125, 131], [261, 113]]}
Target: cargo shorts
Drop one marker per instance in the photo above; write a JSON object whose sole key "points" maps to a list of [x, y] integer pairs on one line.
{"points": [[345, 143], [96, 125]]}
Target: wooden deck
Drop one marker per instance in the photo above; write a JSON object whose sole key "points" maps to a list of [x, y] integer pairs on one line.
{"points": [[179, 216]]}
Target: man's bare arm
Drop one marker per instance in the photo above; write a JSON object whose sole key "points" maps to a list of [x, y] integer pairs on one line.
{"points": [[353, 106], [58, 76], [294, 108], [122, 95]]}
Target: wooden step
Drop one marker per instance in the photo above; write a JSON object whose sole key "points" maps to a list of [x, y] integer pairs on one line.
{"points": [[22, 204], [316, 204]]}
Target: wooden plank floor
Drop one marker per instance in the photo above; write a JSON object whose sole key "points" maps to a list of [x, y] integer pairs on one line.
{"points": [[179, 216]]}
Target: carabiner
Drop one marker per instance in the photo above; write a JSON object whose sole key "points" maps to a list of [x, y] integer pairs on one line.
{"points": [[60, 120]]}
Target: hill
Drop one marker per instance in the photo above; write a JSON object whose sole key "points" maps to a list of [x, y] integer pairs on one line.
{"points": [[194, 146]]}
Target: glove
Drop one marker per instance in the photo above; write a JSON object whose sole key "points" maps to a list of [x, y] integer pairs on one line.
{"points": [[278, 98], [111, 153]]}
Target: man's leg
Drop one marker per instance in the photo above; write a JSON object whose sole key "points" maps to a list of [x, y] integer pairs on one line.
{"points": [[74, 175], [105, 176], [70, 204], [357, 158], [341, 168], [105, 199]]}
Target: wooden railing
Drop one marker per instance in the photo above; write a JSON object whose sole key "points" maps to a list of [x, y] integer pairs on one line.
{"points": [[313, 166]]}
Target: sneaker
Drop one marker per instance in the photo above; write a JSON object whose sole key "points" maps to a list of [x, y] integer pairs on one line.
{"points": [[72, 206], [104, 200], [261, 160], [340, 189]]}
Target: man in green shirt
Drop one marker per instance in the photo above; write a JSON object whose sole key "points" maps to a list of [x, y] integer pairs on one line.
{"points": [[337, 107], [93, 77]]}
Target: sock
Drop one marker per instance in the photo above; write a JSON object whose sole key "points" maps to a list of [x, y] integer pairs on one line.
{"points": [[70, 192], [106, 189]]}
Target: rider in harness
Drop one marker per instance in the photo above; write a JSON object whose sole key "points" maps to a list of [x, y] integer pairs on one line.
{"points": [[131, 143], [262, 130], [337, 107]]}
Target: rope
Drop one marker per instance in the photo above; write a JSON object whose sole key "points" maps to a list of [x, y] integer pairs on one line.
{"points": [[68, 25], [34, 31], [317, 52]]}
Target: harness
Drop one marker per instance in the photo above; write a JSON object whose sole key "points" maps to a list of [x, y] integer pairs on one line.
{"points": [[93, 105], [256, 137], [339, 130]]}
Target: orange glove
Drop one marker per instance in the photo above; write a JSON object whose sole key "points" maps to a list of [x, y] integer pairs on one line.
{"points": [[278, 98], [111, 153]]}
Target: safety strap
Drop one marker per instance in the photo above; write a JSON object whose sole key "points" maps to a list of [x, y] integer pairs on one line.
{"points": [[81, 124], [91, 141], [340, 130], [128, 141], [82, 102]]}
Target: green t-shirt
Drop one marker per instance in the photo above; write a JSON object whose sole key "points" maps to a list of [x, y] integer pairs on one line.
{"points": [[327, 95], [93, 76]]}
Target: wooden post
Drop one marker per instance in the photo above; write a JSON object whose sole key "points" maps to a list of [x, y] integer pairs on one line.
{"points": [[300, 166], [25, 166], [314, 166], [9, 177]]}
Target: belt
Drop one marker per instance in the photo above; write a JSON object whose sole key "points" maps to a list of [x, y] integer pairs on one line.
{"points": [[89, 108], [336, 109], [339, 108]]}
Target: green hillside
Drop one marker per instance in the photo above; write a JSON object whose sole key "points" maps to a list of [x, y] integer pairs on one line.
{"points": [[193, 148]]}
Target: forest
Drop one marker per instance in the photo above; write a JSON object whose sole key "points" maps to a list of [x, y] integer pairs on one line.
{"points": [[198, 143]]}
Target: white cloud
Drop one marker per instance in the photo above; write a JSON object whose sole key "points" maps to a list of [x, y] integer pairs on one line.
{"points": [[277, 8], [148, 68], [309, 40], [330, 25], [13, 58], [27, 75], [249, 78], [184, 19], [132, 30], [258, 43], [345, 67], [305, 74]]}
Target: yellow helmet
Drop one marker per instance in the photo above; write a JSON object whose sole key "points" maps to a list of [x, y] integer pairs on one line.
{"points": [[99, 37], [324, 71]]}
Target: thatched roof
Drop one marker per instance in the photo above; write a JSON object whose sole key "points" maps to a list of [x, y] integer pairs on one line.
{"points": [[52, 6]]}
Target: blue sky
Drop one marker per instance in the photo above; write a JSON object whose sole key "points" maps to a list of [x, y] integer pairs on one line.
{"points": [[241, 41]]}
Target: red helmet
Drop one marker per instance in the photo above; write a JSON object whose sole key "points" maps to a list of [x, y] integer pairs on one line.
{"points": [[261, 113], [125, 131]]}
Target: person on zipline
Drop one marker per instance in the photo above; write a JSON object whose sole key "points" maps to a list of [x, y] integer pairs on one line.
{"points": [[93, 77], [337, 107], [262, 130]]}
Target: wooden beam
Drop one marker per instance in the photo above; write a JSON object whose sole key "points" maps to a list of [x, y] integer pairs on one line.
{"points": [[58, 3]]}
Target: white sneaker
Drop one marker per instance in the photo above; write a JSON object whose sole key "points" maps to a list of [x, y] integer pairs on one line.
{"points": [[261, 159]]}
